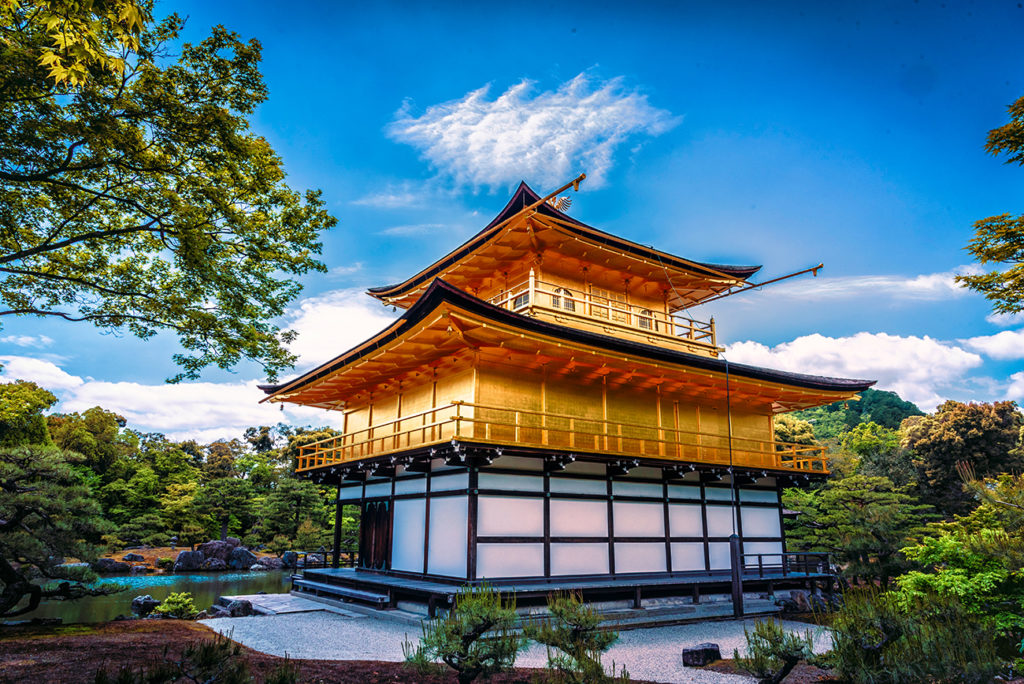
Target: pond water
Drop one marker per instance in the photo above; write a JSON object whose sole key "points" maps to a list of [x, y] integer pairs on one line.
{"points": [[205, 587]]}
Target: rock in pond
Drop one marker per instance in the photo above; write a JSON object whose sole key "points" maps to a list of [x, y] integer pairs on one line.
{"points": [[144, 605], [289, 559], [106, 566], [139, 570], [270, 563], [701, 654], [214, 564], [217, 549], [241, 558], [133, 557], [188, 561]]}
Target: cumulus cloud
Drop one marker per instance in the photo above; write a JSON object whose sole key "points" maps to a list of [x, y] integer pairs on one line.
{"points": [[37, 341], [1006, 320], [916, 368], [546, 137], [928, 286], [1005, 345], [1015, 390], [334, 322], [189, 410]]}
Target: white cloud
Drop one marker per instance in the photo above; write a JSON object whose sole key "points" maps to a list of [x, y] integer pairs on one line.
{"points": [[27, 340], [414, 229], [189, 410], [916, 368], [545, 137], [1005, 345], [928, 286], [1006, 320], [333, 322], [1015, 391], [345, 271]]}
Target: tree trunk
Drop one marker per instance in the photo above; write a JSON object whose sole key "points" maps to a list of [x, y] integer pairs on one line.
{"points": [[224, 529]]}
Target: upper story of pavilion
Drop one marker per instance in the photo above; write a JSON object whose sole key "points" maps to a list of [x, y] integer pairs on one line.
{"points": [[537, 261]]}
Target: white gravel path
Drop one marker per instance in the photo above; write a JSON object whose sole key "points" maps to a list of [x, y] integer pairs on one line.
{"points": [[652, 653]]}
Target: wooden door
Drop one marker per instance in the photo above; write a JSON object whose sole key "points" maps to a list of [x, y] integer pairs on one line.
{"points": [[375, 535]]}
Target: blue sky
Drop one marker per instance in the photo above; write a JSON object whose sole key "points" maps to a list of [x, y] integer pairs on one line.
{"points": [[783, 134]]}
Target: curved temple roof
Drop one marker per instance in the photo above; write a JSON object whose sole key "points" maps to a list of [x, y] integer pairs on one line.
{"points": [[440, 293], [523, 198]]}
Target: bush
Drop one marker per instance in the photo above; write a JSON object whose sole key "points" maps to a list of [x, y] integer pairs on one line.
{"points": [[165, 563], [475, 639], [179, 605], [877, 639], [772, 652], [310, 537], [573, 631], [279, 544]]}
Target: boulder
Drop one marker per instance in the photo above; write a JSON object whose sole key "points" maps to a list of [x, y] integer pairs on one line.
{"points": [[258, 568], [270, 562], [701, 654], [289, 559], [139, 570], [188, 561], [241, 558], [217, 549], [106, 566], [133, 557], [214, 564], [314, 560], [234, 541], [240, 608], [802, 599], [218, 611], [144, 605]]}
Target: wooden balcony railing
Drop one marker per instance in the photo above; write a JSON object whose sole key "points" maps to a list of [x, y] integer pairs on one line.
{"points": [[515, 427], [618, 316]]}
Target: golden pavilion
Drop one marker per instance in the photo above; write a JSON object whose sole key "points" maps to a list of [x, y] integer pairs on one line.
{"points": [[545, 414]]}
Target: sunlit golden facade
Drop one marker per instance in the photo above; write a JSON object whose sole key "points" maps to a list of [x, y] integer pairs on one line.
{"points": [[543, 347]]}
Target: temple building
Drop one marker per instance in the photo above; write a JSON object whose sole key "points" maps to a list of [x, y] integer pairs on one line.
{"points": [[545, 414]]}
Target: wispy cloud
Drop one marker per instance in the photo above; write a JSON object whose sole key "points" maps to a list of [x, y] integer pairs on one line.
{"points": [[1006, 320], [390, 199], [920, 369], [339, 272], [35, 341], [546, 137], [414, 229], [928, 286]]}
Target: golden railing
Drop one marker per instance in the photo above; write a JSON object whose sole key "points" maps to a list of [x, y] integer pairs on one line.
{"points": [[605, 311], [517, 427]]}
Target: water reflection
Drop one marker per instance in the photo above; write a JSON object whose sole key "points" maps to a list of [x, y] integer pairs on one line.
{"points": [[204, 587]]}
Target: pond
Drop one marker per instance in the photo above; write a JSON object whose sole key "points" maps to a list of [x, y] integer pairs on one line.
{"points": [[205, 587]]}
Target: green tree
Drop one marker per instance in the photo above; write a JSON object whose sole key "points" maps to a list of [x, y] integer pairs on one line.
{"points": [[21, 413], [158, 162], [878, 453], [54, 43], [96, 434], [223, 500], [984, 437], [862, 521], [291, 502], [575, 641], [793, 430], [45, 514], [999, 240]]}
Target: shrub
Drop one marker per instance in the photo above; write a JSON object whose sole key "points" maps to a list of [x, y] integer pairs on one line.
{"points": [[309, 536], [219, 661], [475, 639], [772, 652], [879, 638], [179, 605], [573, 632], [279, 544], [165, 563]]}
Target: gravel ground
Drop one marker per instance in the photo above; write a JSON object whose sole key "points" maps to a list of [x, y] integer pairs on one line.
{"points": [[651, 653]]}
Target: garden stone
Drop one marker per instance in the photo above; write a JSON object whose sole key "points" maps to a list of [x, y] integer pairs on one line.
{"points": [[234, 541], [289, 559], [214, 564], [802, 600], [144, 605], [217, 549], [106, 566], [270, 563], [139, 570], [202, 615], [313, 560], [258, 568], [240, 608], [133, 557], [241, 558], [188, 561], [701, 654]]}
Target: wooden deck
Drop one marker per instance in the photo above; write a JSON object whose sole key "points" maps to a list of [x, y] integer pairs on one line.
{"points": [[439, 592]]}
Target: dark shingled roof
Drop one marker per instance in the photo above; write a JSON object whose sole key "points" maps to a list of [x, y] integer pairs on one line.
{"points": [[440, 291], [525, 196]]}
